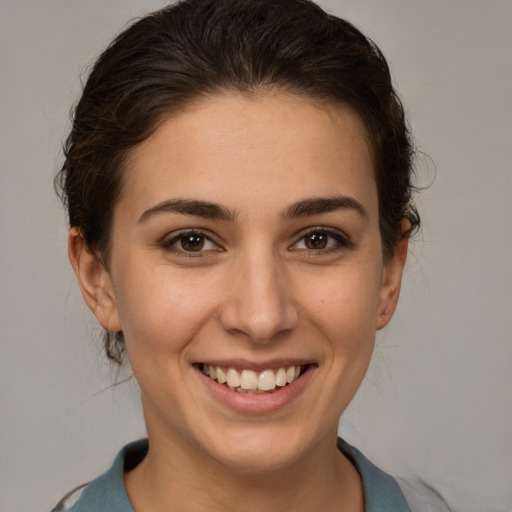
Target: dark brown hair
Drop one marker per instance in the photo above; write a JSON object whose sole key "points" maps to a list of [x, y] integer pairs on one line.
{"points": [[196, 48]]}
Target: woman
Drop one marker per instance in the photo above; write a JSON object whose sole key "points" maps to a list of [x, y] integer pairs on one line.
{"points": [[238, 183]]}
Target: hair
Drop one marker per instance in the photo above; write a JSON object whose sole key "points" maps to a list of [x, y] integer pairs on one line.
{"points": [[199, 48]]}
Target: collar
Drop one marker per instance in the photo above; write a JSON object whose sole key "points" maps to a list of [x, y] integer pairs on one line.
{"points": [[107, 493]]}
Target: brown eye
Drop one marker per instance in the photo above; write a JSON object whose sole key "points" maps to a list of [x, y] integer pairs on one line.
{"points": [[192, 242], [322, 241], [316, 241]]}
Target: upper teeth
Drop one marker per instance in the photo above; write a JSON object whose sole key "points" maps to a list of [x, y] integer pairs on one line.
{"points": [[249, 380]]}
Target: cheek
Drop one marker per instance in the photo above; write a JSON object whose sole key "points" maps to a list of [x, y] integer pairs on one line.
{"points": [[160, 311], [343, 310], [345, 302]]}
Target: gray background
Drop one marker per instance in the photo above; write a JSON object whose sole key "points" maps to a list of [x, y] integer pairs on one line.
{"points": [[437, 399]]}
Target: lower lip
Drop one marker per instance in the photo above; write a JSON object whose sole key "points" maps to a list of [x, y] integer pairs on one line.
{"points": [[257, 404]]}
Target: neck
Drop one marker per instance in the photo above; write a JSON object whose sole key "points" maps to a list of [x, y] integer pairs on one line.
{"points": [[172, 478]]}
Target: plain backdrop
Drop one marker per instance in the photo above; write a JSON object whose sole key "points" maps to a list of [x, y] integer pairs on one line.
{"points": [[437, 401]]}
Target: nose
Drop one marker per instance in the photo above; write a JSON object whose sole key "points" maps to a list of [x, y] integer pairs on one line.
{"points": [[259, 305]]}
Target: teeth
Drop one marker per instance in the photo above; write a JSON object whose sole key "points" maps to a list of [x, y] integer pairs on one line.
{"points": [[233, 378], [267, 380], [248, 381], [221, 376], [281, 377]]}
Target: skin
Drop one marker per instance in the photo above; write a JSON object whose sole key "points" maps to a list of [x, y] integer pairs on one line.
{"points": [[256, 292]]}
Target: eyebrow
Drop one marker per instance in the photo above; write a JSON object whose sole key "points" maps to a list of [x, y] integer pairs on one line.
{"points": [[319, 205], [213, 211], [203, 209]]}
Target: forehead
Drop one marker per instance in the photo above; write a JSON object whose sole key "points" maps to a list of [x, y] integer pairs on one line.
{"points": [[233, 148]]}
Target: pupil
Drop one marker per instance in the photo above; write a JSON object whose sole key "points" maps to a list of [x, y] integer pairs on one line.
{"points": [[316, 241], [192, 242]]}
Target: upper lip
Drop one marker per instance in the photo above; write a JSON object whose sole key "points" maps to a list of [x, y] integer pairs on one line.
{"points": [[247, 364]]}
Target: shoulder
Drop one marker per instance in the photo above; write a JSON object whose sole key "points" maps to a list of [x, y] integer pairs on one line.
{"points": [[421, 497], [384, 492], [381, 491], [66, 502], [107, 492]]}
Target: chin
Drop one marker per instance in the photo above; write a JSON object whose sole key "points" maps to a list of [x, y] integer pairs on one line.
{"points": [[259, 450]]}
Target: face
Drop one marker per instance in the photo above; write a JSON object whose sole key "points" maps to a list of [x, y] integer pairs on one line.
{"points": [[246, 248]]}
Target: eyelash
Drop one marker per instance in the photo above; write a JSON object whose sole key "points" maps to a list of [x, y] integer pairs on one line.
{"points": [[170, 244], [341, 242]]}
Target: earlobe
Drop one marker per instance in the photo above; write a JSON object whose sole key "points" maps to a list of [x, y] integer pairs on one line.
{"points": [[391, 282], [94, 281]]}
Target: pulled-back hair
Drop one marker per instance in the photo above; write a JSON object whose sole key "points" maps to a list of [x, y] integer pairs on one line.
{"points": [[198, 48]]}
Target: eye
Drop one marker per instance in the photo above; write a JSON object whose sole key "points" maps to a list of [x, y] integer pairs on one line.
{"points": [[190, 242], [322, 240]]}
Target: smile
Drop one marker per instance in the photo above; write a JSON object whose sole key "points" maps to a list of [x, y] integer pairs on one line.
{"points": [[252, 382]]}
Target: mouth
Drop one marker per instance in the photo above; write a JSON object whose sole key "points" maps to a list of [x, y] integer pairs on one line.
{"points": [[248, 381]]}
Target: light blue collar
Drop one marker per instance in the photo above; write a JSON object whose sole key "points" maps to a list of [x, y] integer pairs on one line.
{"points": [[381, 492], [108, 494]]}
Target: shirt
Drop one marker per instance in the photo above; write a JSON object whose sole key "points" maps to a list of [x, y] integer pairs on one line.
{"points": [[382, 493]]}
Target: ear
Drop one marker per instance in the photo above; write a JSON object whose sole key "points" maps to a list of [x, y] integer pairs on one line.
{"points": [[392, 279], [94, 281]]}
